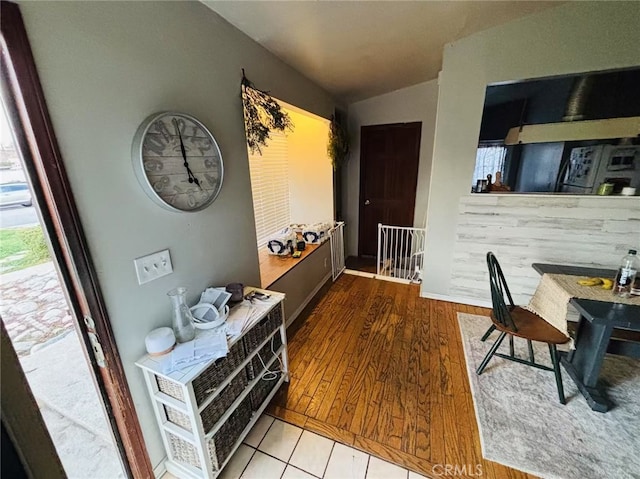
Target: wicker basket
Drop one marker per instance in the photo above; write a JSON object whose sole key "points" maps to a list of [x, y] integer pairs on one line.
{"points": [[183, 451], [216, 409], [222, 368], [260, 331], [255, 367], [261, 390], [224, 439], [219, 446], [170, 388], [178, 418]]}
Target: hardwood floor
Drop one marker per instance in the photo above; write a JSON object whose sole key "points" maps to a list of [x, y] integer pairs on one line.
{"points": [[375, 366], [359, 263]]}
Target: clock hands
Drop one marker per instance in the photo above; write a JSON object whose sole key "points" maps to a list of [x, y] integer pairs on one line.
{"points": [[191, 176]]}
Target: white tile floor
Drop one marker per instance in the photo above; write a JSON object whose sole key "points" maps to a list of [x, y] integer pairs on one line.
{"points": [[277, 450]]}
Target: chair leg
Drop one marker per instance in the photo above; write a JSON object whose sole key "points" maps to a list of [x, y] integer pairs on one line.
{"points": [[556, 369], [491, 329], [490, 354], [531, 357], [511, 350]]}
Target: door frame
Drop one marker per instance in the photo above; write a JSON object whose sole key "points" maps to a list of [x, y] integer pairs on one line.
{"points": [[27, 110], [361, 196]]}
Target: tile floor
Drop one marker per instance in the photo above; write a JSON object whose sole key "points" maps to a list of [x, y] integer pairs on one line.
{"points": [[277, 450]]}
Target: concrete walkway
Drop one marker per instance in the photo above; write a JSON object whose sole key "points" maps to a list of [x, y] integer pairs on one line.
{"points": [[33, 307], [35, 313]]}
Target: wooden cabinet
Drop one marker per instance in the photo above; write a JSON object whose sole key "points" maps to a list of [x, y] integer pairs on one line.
{"points": [[205, 411]]}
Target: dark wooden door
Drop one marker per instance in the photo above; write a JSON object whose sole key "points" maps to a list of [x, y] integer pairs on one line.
{"points": [[389, 156]]}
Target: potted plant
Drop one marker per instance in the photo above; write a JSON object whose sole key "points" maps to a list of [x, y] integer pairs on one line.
{"points": [[338, 146]]}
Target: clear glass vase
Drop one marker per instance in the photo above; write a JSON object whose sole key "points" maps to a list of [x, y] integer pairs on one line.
{"points": [[182, 318]]}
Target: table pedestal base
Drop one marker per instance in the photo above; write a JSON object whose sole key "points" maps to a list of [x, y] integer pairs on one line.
{"points": [[595, 397], [595, 336]]}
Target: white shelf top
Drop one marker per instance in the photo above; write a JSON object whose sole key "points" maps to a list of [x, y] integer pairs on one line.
{"points": [[155, 364]]}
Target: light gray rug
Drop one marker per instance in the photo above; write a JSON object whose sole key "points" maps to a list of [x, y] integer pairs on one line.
{"points": [[522, 424]]}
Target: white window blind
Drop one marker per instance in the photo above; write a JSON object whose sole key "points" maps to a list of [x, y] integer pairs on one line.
{"points": [[270, 187]]}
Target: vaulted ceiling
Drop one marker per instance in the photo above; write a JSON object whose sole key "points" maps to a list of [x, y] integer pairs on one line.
{"points": [[359, 49]]}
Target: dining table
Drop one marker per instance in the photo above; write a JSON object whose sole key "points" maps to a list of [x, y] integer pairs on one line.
{"points": [[605, 325]]}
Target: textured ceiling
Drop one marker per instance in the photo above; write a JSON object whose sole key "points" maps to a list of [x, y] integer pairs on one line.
{"points": [[359, 49]]}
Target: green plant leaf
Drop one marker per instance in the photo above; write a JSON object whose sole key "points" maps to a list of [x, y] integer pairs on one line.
{"points": [[338, 146], [262, 114]]}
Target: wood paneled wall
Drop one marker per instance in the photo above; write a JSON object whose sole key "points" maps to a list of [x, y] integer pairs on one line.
{"points": [[524, 229]]}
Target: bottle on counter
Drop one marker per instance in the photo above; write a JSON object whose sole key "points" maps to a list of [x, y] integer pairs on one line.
{"points": [[635, 289], [182, 319], [626, 274]]}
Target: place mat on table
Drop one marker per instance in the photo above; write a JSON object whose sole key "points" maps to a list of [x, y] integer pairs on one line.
{"points": [[551, 299]]}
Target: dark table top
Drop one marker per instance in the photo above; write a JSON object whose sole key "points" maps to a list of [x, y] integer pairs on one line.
{"points": [[547, 268], [625, 316]]}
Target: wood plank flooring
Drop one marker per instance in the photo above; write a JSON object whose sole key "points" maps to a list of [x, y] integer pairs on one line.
{"points": [[376, 367]]}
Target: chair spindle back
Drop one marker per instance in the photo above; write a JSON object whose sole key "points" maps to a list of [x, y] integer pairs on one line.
{"points": [[500, 289]]}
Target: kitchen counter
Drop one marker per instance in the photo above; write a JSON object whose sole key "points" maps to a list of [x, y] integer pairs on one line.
{"points": [[591, 231], [551, 195]]}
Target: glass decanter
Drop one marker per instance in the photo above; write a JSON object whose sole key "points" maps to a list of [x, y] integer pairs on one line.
{"points": [[182, 318]]}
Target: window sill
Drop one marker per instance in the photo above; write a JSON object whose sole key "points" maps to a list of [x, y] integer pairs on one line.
{"points": [[273, 267]]}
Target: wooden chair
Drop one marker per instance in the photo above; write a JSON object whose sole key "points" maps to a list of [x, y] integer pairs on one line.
{"points": [[514, 321]]}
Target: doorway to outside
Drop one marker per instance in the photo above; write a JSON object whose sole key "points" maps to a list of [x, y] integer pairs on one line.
{"points": [[38, 320], [389, 158], [71, 277]]}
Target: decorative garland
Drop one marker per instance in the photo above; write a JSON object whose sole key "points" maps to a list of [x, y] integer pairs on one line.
{"points": [[338, 146], [262, 114]]}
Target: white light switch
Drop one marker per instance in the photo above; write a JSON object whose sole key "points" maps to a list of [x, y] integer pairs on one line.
{"points": [[153, 266]]}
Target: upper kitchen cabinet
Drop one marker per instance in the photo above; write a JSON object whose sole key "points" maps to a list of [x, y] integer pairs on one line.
{"points": [[568, 134]]}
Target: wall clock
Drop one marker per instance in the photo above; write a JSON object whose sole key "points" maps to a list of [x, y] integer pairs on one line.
{"points": [[177, 161]]}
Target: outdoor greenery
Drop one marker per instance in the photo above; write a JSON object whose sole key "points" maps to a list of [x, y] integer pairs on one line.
{"points": [[28, 245], [262, 114]]}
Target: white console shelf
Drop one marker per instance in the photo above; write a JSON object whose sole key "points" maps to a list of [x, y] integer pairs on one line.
{"points": [[206, 410]]}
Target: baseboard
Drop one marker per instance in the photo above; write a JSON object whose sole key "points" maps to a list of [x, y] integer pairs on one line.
{"points": [[377, 276], [160, 469], [307, 300], [457, 299], [359, 273]]}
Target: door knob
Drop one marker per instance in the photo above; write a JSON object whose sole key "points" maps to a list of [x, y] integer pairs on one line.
{"points": [[366, 202]]}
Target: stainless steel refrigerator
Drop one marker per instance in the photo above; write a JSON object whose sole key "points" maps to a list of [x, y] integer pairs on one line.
{"points": [[589, 166]]}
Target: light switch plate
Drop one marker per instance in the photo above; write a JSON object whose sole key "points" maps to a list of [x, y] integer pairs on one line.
{"points": [[153, 266]]}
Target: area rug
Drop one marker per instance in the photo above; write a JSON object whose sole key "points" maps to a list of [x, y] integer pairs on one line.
{"points": [[522, 425]]}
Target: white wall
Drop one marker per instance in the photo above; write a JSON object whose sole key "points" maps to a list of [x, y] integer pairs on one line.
{"points": [[523, 229], [105, 66], [415, 103], [310, 170], [574, 37]]}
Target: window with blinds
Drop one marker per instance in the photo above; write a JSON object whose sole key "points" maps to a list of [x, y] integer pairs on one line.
{"points": [[270, 187], [489, 159]]}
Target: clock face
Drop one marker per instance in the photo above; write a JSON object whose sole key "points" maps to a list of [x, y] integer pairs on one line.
{"points": [[177, 161]]}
